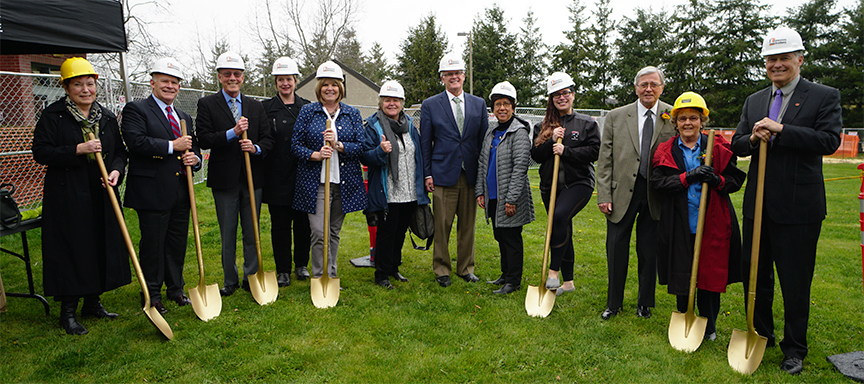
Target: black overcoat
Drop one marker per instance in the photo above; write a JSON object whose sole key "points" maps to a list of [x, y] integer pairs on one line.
{"points": [[280, 165]]}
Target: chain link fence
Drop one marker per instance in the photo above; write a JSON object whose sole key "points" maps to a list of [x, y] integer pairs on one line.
{"points": [[24, 96]]}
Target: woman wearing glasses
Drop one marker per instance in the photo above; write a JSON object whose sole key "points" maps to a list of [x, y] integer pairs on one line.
{"points": [[580, 146]]}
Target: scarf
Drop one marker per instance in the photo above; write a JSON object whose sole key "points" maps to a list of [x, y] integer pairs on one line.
{"points": [[88, 124], [391, 127]]}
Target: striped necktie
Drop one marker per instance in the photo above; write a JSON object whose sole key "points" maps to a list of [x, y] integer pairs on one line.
{"points": [[174, 126], [234, 111]]}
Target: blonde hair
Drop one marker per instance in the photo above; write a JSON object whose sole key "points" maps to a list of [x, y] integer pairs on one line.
{"points": [[320, 84]]}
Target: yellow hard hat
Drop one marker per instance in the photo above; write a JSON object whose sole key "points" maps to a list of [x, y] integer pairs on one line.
{"points": [[76, 66], [690, 100]]}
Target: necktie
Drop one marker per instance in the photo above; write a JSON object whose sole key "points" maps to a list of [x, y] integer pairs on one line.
{"points": [[774, 113], [460, 117], [234, 111], [647, 132], [174, 126]]}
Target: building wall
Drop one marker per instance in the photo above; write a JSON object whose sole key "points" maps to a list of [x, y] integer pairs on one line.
{"points": [[356, 92]]}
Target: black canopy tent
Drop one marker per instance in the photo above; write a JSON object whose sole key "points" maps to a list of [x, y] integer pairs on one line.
{"points": [[61, 26]]}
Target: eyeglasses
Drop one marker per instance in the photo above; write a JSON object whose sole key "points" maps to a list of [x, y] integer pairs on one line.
{"points": [[651, 85], [502, 104], [228, 74], [452, 74], [561, 94]]}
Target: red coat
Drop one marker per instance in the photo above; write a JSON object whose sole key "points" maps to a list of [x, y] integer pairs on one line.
{"points": [[719, 261]]}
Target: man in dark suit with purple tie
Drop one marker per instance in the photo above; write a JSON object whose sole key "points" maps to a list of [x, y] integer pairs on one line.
{"points": [[156, 185]]}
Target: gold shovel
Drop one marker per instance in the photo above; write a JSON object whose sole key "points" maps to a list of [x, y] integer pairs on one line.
{"points": [[539, 301], [206, 300], [152, 314], [686, 330], [263, 285], [746, 348], [324, 289]]}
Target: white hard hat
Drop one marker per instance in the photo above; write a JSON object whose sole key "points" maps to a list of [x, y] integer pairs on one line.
{"points": [[451, 62], [329, 70], [558, 81], [285, 66], [168, 66], [781, 40], [504, 88], [392, 88], [230, 60]]}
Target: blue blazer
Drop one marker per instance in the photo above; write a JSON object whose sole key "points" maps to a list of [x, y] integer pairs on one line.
{"points": [[444, 150]]}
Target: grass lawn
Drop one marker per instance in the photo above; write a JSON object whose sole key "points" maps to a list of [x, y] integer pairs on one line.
{"points": [[420, 332]]}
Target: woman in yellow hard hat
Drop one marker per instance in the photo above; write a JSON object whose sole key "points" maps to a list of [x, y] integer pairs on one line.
{"points": [[679, 174], [82, 247]]}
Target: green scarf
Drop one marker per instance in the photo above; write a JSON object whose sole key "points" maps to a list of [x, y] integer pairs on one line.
{"points": [[88, 124]]}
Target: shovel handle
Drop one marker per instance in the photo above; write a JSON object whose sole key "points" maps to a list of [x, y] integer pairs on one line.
{"points": [[757, 234], [326, 244], [550, 215], [122, 222], [700, 225], [254, 210], [194, 208]]}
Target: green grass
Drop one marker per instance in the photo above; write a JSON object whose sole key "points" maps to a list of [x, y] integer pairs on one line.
{"points": [[420, 332]]}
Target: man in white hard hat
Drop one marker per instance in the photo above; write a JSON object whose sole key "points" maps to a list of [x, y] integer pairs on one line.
{"points": [[801, 121], [452, 125], [281, 174], [630, 136], [156, 185], [222, 119]]}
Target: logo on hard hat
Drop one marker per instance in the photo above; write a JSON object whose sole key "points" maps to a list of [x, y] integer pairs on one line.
{"points": [[556, 81], [453, 61], [172, 66], [232, 59], [391, 88], [281, 65], [775, 41], [506, 88], [328, 69], [686, 101]]}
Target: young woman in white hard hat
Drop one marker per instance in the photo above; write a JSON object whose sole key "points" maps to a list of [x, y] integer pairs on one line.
{"points": [[280, 173], [83, 251], [392, 153], [679, 174], [580, 146], [312, 143], [502, 187]]}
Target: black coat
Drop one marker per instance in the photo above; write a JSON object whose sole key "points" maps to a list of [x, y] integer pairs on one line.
{"points": [[83, 250], [280, 166], [581, 148]]}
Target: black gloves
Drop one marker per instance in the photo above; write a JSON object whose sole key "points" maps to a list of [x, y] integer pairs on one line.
{"points": [[703, 174]]}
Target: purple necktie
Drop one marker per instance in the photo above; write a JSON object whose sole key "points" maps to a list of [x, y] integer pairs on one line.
{"points": [[774, 113]]}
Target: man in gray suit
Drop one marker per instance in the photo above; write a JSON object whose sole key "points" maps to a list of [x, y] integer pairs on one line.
{"points": [[630, 136]]}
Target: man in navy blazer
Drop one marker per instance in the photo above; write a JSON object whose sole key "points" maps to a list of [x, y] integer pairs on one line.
{"points": [[222, 119], [156, 185], [801, 121], [452, 125]]}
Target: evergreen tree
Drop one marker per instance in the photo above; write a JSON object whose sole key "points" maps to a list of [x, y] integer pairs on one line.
{"points": [[687, 59], [417, 64], [571, 56], [377, 68], [531, 66], [494, 52], [349, 52], [817, 22], [599, 53], [643, 41], [852, 64]]}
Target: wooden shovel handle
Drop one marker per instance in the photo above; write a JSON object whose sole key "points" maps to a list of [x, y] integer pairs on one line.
{"points": [[253, 208], [194, 208], [700, 224], [326, 209], [552, 196], [757, 233]]}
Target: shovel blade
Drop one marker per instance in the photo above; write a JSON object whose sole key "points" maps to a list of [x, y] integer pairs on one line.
{"points": [[206, 301], [325, 291], [159, 321], [264, 287], [686, 331], [746, 350], [539, 301]]}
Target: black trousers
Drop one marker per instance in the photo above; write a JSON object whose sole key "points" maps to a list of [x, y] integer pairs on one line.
{"points": [[391, 237], [282, 219], [707, 304], [618, 249], [163, 245], [510, 245], [568, 202], [792, 249]]}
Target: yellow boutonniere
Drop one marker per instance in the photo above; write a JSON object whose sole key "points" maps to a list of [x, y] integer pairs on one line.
{"points": [[665, 115]]}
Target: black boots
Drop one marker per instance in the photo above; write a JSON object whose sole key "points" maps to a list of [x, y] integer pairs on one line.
{"points": [[67, 318], [93, 307]]}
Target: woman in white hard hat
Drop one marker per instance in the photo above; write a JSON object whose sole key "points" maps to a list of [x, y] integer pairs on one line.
{"points": [[281, 174], [580, 146], [82, 247], [502, 187], [678, 175], [392, 153], [312, 143]]}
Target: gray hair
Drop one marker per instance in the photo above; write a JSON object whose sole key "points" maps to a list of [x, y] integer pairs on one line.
{"points": [[648, 70]]}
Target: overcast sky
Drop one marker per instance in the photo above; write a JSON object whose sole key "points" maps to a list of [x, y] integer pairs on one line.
{"points": [[383, 21]]}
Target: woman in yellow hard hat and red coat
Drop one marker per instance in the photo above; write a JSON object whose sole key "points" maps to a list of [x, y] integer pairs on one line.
{"points": [[83, 250], [679, 172]]}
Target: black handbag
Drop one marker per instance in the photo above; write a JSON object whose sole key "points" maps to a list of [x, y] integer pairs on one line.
{"points": [[10, 215], [422, 225]]}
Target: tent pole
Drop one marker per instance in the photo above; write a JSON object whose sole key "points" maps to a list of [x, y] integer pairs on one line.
{"points": [[126, 90]]}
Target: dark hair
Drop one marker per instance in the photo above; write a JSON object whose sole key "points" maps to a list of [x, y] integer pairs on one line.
{"points": [[550, 122]]}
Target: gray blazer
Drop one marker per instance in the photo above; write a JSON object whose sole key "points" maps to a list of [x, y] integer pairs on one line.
{"points": [[618, 163], [513, 157]]}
